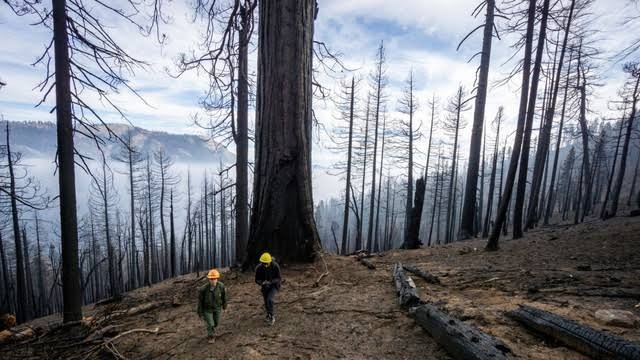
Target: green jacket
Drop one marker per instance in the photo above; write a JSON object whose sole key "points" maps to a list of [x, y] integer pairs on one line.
{"points": [[209, 300]]}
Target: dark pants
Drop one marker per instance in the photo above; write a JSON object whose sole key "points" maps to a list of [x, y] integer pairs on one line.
{"points": [[268, 294]]}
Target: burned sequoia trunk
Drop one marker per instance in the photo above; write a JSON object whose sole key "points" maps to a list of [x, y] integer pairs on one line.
{"points": [[282, 215]]}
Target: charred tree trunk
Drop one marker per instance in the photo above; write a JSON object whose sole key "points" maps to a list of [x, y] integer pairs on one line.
{"points": [[21, 288], [376, 247], [413, 240], [282, 215], [172, 249], [526, 142], [505, 200], [71, 292], [633, 181], [345, 221], [378, 89], [242, 138], [469, 207], [359, 245], [492, 179], [625, 147]]}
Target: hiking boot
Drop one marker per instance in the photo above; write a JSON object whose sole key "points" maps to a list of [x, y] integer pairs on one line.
{"points": [[272, 320], [211, 340]]}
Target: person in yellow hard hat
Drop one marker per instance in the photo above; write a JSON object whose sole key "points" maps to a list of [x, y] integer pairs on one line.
{"points": [[212, 299], [268, 277]]}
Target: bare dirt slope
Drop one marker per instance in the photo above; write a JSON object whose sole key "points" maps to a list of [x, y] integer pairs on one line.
{"points": [[352, 313]]}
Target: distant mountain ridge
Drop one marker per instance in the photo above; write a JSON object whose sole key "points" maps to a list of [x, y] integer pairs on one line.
{"points": [[37, 139]]}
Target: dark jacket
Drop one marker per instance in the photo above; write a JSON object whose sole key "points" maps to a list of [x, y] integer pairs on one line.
{"points": [[209, 300], [269, 273]]}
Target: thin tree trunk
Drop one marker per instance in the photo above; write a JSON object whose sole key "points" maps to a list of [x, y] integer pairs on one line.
{"points": [[625, 151], [345, 221], [241, 140], [492, 179], [375, 145], [359, 245], [21, 294], [501, 215], [469, 207], [377, 233], [633, 182], [71, 292], [526, 142]]}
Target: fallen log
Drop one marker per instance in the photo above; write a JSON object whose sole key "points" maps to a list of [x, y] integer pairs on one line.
{"points": [[582, 338], [405, 288], [621, 293], [367, 263], [460, 340], [421, 273]]}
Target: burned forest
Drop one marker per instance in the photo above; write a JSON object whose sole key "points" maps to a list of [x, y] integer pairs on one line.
{"points": [[316, 179]]}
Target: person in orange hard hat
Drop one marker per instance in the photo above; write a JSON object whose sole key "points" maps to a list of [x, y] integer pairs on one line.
{"points": [[212, 299], [268, 277]]}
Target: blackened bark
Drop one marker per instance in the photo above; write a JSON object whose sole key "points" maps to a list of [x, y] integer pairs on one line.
{"points": [[242, 138], [413, 239], [347, 198], [21, 289], [625, 149], [526, 141], [505, 199], [282, 215], [469, 207]]}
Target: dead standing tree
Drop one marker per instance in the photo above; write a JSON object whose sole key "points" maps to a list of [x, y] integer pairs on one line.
{"points": [[633, 71], [505, 197], [469, 218], [87, 61]]}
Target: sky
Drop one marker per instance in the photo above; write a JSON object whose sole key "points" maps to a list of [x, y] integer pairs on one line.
{"points": [[419, 35]]}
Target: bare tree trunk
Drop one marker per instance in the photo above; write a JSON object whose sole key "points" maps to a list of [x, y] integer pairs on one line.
{"points": [[359, 245], [21, 294], [633, 182], [41, 290], [114, 290], [30, 300], [378, 89], [526, 142], [242, 138], [71, 292], [376, 247], [469, 207], [501, 215], [413, 240], [7, 302], [552, 192], [492, 179], [345, 221], [584, 131], [282, 215], [435, 198], [173, 237], [625, 149]]}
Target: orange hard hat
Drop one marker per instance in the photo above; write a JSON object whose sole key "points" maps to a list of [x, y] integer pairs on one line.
{"points": [[213, 274]]}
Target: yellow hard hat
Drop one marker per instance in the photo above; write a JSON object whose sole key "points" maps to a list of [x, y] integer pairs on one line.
{"points": [[265, 258], [213, 274]]}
